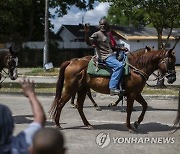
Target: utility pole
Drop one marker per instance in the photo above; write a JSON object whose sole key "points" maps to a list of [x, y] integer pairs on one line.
{"points": [[82, 20], [46, 35]]}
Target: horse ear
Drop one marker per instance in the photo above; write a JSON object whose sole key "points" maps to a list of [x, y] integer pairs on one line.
{"points": [[170, 52], [148, 48], [11, 50]]}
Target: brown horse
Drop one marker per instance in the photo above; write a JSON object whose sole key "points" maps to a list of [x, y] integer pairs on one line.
{"points": [[74, 79], [134, 53], [9, 60]]}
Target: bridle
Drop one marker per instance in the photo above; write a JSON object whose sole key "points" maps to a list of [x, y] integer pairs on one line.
{"points": [[168, 71], [10, 58]]}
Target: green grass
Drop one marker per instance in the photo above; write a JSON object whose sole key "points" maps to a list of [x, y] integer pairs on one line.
{"points": [[41, 72], [170, 90], [51, 88]]}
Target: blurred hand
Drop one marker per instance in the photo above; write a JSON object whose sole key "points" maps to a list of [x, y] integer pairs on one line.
{"points": [[27, 86], [86, 28], [125, 49]]}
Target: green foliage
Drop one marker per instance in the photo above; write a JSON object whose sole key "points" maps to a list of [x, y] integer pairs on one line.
{"points": [[131, 17], [161, 14], [62, 7], [21, 20]]}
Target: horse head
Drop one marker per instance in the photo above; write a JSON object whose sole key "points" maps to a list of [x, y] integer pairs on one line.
{"points": [[167, 66], [12, 63]]}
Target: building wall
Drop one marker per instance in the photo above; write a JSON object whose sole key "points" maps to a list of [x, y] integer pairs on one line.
{"points": [[177, 53], [73, 45], [66, 35], [134, 45]]}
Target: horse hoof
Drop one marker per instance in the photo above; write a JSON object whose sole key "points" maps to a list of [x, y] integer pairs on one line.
{"points": [[98, 108], [136, 124], [132, 131], [58, 127], [111, 105], [73, 105], [90, 127]]}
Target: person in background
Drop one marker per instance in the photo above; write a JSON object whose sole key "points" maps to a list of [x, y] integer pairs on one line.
{"points": [[20, 143], [106, 51], [48, 141]]}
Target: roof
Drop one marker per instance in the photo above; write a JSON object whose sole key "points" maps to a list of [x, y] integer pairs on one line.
{"points": [[125, 32], [77, 30], [139, 33]]}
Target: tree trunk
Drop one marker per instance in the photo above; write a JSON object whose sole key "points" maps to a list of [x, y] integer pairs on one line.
{"points": [[160, 83]]}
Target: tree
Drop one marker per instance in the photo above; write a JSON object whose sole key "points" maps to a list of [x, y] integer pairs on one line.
{"points": [[127, 12], [23, 20], [161, 14], [62, 7]]}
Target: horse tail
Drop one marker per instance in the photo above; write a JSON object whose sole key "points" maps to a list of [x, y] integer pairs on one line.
{"points": [[177, 120], [59, 87]]}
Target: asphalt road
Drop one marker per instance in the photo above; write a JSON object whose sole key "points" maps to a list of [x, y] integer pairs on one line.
{"points": [[110, 135]]}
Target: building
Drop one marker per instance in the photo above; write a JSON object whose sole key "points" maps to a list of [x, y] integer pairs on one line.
{"points": [[131, 37]]}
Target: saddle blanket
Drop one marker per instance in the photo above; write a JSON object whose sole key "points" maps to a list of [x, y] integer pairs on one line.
{"points": [[106, 71]]}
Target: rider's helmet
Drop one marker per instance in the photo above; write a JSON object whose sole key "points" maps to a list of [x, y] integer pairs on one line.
{"points": [[104, 25]]}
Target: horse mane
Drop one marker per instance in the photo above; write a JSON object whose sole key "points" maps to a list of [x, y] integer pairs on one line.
{"points": [[144, 58], [140, 51]]}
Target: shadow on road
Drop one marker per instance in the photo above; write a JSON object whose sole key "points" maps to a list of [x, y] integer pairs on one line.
{"points": [[27, 119], [143, 128], [136, 108]]}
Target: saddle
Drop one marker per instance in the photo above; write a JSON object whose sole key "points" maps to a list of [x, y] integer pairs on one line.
{"points": [[99, 68]]}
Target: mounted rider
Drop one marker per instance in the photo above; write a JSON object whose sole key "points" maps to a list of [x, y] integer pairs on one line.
{"points": [[106, 51]]}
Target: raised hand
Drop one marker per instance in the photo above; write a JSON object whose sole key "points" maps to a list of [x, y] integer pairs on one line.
{"points": [[27, 86]]}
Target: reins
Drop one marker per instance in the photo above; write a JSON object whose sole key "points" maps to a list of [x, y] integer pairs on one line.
{"points": [[5, 76], [146, 77], [143, 74]]}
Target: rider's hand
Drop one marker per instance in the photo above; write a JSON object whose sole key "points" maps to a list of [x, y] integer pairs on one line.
{"points": [[86, 28], [125, 49]]}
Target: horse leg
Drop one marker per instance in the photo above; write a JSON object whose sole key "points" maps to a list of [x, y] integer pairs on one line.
{"points": [[80, 102], [116, 103], [141, 100], [0, 80], [92, 100], [72, 101], [130, 102], [64, 99]]}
